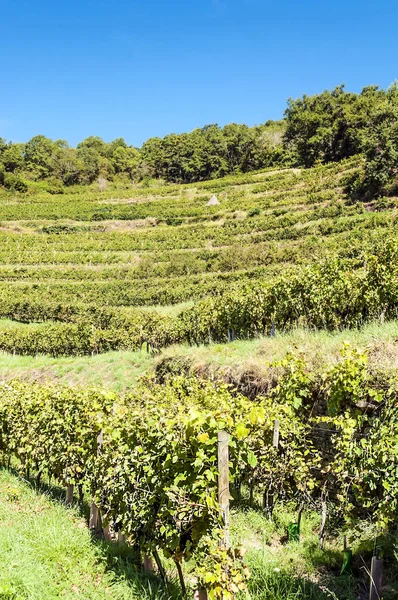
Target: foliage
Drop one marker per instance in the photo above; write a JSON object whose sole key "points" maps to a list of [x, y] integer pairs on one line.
{"points": [[212, 152], [90, 258], [155, 476], [14, 183], [38, 156], [380, 171], [346, 384], [205, 153], [325, 296], [322, 128], [333, 125]]}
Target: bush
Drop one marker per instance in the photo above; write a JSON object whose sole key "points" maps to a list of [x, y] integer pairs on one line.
{"points": [[54, 186], [253, 212], [15, 183], [355, 187]]}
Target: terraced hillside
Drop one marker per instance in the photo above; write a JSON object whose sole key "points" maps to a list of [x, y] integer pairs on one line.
{"points": [[148, 280], [92, 265]]}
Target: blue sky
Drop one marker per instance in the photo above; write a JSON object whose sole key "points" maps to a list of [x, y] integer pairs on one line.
{"points": [[142, 68]]}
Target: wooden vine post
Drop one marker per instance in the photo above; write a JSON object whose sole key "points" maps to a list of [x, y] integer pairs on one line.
{"points": [[95, 522], [376, 577], [223, 482], [121, 538], [268, 497], [223, 495], [149, 567], [323, 524], [200, 595], [275, 441], [69, 494]]}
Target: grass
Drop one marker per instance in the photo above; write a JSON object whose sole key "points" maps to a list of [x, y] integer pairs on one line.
{"points": [[319, 344], [46, 553], [118, 371], [241, 360], [171, 310], [247, 364], [282, 570]]}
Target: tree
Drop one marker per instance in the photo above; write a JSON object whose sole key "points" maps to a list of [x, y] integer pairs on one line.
{"points": [[90, 160], [94, 143], [240, 147], [40, 154], [380, 174], [13, 157], [330, 126], [68, 167], [114, 145], [124, 159], [3, 145]]}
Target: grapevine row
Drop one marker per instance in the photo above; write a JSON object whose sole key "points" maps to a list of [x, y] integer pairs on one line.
{"points": [[155, 478], [331, 295]]}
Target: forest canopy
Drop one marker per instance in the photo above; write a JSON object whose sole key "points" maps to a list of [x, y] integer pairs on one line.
{"points": [[317, 129]]}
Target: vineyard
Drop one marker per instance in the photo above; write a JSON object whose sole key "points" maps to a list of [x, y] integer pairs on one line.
{"points": [[91, 271], [149, 459], [150, 277]]}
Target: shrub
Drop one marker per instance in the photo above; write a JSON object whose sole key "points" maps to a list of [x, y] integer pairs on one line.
{"points": [[253, 212], [15, 183], [54, 186]]}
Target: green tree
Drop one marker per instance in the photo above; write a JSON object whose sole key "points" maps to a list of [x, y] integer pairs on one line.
{"points": [[3, 145], [94, 143], [90, 160], [68, 167], [380, 175], [114, 145], [40, 154], [240, 147], [330, 126], [125, 160], [13, 157]]}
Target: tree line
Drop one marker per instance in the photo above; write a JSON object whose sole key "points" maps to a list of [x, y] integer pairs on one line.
{"points": [[317, 129], [206, 153]]}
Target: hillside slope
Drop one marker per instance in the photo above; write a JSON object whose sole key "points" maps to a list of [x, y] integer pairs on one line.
{"points": [[110, 270], [100, 288]]}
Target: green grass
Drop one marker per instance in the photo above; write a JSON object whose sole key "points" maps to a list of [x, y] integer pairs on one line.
{"points": [[46, 553], [238, 360], [171, 310], [282, 570], [118, 371], [319, 347]]}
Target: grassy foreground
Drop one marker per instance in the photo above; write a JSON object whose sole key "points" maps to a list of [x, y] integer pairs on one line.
{"points": [[46, 553]]}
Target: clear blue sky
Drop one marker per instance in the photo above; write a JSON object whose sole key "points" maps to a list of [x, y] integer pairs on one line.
{"points": [[139, 68]]}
